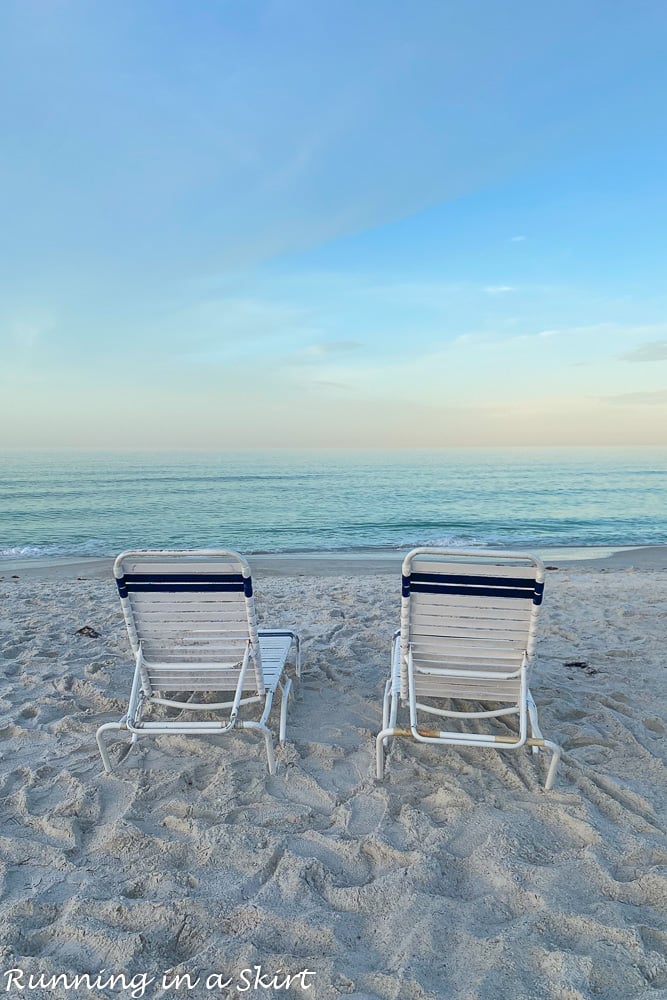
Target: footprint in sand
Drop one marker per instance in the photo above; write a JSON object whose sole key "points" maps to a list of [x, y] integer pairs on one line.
{"points": [[366, 813]]}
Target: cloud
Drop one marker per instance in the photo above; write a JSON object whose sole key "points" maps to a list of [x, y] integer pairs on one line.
{"points": [[26, 332], [579, 332], [476, 340], [500, 340], [638, 398], [329, 385], [498, 289], [26, 335], [654, 350], [606, 331], [518, 239], [234, 319], [324, 351]]}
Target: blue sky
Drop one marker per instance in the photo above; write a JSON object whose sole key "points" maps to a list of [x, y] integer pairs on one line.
{"points": [[328, 224]]}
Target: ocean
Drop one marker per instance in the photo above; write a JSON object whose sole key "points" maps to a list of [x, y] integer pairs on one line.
{"points": [[82, 503]]}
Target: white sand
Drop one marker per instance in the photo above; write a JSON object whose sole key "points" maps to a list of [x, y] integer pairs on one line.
{"points": [[456, 878]]}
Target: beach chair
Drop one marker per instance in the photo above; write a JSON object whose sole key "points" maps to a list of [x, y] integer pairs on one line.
{"points": [[191, 621], [467, 635]]}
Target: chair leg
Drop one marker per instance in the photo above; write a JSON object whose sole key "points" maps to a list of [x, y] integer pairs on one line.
{"points": [[385, 704], [393, 712], [268, 740], [100, 741], [535, 730], [536, 734], [381, 741], [284, 702], [379, 757], [553, 767], [297, 641], [389, 713]]}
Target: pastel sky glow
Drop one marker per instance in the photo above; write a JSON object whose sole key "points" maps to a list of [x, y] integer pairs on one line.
{"points": [[290, 223]]}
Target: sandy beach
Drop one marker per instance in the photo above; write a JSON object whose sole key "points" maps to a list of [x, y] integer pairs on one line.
{"points": [[456, 878]]}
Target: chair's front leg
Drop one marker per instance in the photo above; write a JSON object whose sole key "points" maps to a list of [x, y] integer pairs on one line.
{"points": [[268, 740], [284, 701], [107, 727], [553, 767], [535, 730], [385, 704], [381, 741]]}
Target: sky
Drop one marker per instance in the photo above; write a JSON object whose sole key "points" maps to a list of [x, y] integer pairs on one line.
{"points": [[298, 223]]}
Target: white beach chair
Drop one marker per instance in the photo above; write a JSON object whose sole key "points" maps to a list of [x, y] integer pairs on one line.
{"points": [[191, 621], [467, 633]]}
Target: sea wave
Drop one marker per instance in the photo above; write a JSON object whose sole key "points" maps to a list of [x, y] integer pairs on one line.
{"points": [[90, 548]]}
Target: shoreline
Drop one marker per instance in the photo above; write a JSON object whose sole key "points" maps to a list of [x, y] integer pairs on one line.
{"points": [[368, 562]]}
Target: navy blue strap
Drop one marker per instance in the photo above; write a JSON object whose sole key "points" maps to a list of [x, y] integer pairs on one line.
{"points": [[473, 586], [480, 581], [172, 583]]}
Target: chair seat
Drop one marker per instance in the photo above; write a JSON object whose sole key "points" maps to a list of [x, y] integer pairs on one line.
{"points": [[274, 649]]}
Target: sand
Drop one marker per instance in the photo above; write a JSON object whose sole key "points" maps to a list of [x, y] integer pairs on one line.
{"points": [[458, 877]]}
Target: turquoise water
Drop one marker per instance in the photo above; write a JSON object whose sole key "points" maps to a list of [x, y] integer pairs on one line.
{"points": [[82, 503]]}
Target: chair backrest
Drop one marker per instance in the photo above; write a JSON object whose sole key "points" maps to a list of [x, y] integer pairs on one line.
{"points": [[472, 610], [190, 609]]}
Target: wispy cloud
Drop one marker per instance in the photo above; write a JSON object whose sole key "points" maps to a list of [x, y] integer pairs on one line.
{"points": [[654, 350], [638, 398], [606, 331], [593, 330], [473, 340], [499, 289], [329, 385], [26, 335], [239, 318], [501, 340], [24, 332], [324, 351], [215, 330], [518, 239]]}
